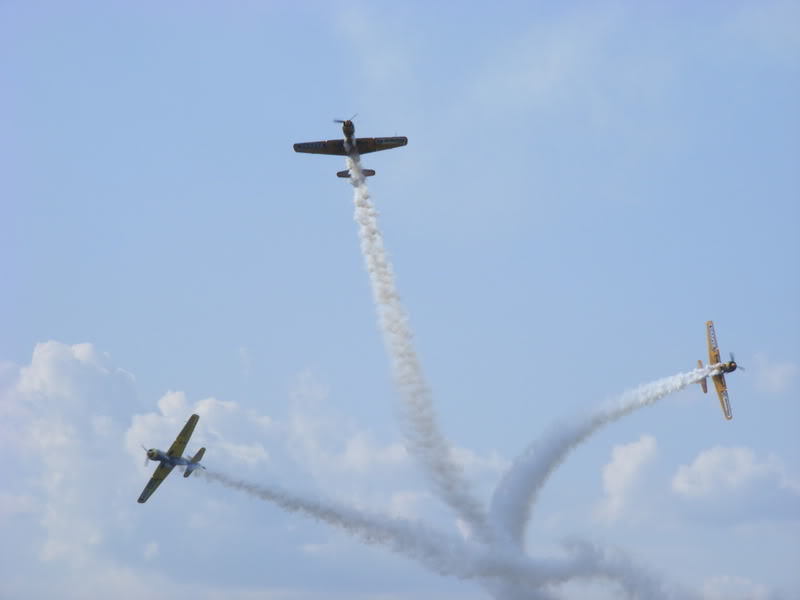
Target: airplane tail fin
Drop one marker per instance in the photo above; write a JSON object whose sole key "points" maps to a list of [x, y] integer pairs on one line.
{"points": [[346, 174], [195, 462], [704, 381]]}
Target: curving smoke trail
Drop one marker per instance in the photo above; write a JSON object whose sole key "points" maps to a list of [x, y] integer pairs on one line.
{"points": [[439, 552], [423, 437], [507, 574], [519, 488], [497, 559]]}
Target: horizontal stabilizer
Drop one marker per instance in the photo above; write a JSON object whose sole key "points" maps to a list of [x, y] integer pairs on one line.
{"points": [[195, 462], [703, 382], [366, 172]]}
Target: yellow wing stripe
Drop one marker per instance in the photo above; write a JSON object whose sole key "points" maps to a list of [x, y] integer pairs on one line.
{"points": [[159, 475], [179, 445]]}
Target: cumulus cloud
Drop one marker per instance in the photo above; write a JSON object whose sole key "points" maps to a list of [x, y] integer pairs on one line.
{"points": [[342, 456], [752, 488], [316, 440], [728, 587], [69, 428], [60, 413], [475, 464], [231, 433], [73, 375], [362, 453], [619, 475], [74, 427], [726, 469], [773, 377]]}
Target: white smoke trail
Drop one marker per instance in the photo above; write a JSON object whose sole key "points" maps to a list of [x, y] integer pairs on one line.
{"points": [[439, 552], [506, 571], [589, 561], [518, 490], [423, 436]]}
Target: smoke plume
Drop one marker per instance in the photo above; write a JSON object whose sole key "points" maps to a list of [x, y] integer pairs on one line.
{"points": [[518, 490], [497, 558], [423, 437]]}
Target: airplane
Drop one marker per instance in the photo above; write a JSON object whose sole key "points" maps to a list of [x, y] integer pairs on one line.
{"points": [[350, 146], [719, 380], [171, 459]]}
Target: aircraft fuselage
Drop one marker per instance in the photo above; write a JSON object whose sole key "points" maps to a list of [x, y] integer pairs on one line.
{"points": [[162, 457], [349, 130]]}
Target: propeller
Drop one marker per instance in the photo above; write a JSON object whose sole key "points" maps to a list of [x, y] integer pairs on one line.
{"points": [[345, 120], [738, 366], [146, 457]]}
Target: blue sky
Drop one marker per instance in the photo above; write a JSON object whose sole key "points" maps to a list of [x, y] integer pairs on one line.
{"points": [[584, 186]]}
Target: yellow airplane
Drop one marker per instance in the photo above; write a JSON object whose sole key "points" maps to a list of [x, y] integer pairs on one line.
{"points": [[719, 380], [172, 458]]}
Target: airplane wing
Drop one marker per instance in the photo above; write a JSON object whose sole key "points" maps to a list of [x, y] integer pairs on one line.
{"points": [[179, 445], [366, 145], [722, 392], [335, 147], [159, 475], [713, 349]]}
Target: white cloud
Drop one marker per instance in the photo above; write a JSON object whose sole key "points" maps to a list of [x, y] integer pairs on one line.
{"points": [[341, 454], [619, 475], [108, 580], [727, 469], [173, 403], [472, 462], [728, 587], [774, 377], [230, 432], [732, 483], [73, 375], [102, 425], [63, 430], [68, 410], [81, 488], [362, 453], [328, 446], [249, 454]]}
